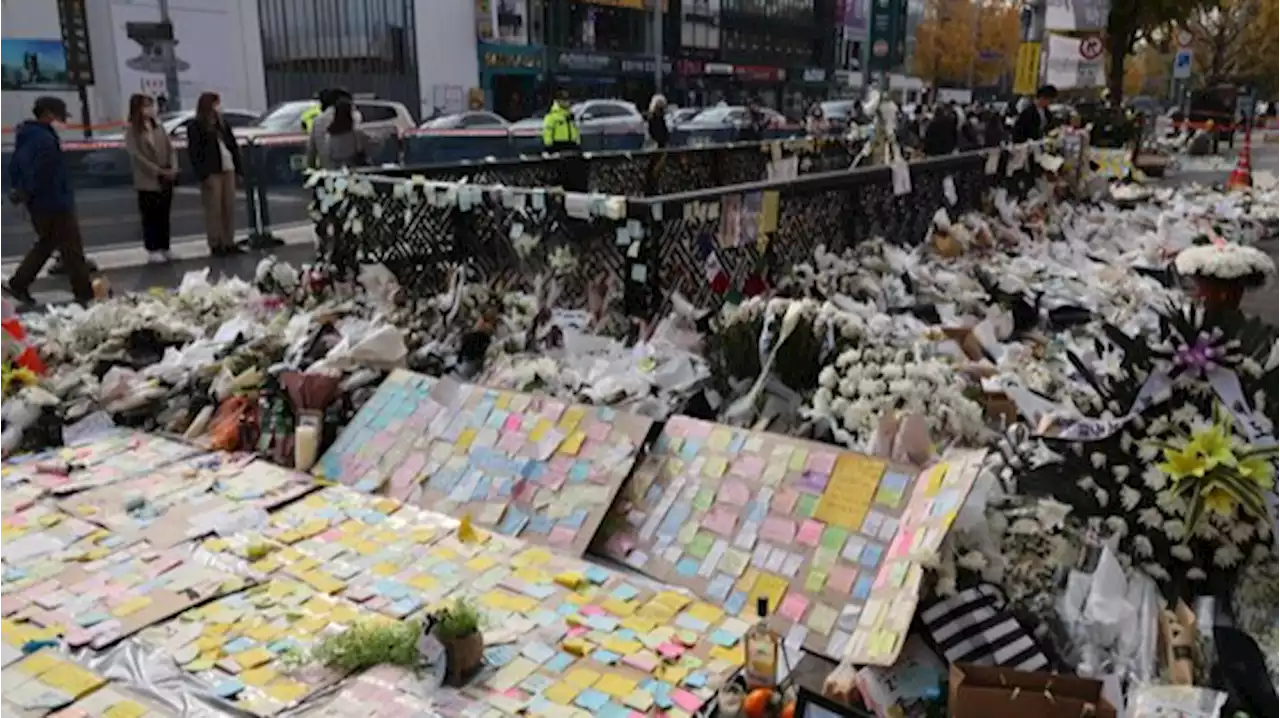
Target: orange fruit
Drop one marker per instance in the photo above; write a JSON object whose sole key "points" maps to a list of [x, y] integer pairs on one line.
{"points": [[789, 711], [757, 703]]}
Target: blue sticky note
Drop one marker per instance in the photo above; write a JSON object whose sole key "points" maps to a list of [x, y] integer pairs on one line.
{"points": [[862, 589], [282, 645], [625, 592], [591, 700], [697, 679], [689, 451], [538, 652], [734, 604], [237, 645], [654, 494], [871, 555], [499, 655], [756, 511], [580, 472], [228, 688], [894, 481], [606, 414], [481, 491], [566, 609], [536, 684], [686, 621], [497, 419], [533, 470], [661, 691], [92, 618], [602, 623], [613, 710], [405, 606], [625, 634], [723, 638], [543, 617], [605, 656], [513, 522], [575, 520], [393, 590], [540, 524], [719, 587], [687, 567], [596, 575], [559, 663], [737, 442]]}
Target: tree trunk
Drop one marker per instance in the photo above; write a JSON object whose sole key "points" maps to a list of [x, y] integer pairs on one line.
{"points": [[1119, 48]]}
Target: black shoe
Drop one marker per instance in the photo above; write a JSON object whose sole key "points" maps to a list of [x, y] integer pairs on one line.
{"points": [[59, 267], [233, 249], [217, 252], [23, 297]]}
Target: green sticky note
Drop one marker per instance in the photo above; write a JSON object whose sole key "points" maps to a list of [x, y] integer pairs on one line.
{"points": [[700, 545], [888, 497], [806, 505], [815, 581], [703, 499], [833, 538]]}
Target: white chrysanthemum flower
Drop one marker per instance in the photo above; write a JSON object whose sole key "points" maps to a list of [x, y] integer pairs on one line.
{"points": [[1175, 530], [973, 561], [1156, 571], [1241, 532], [1142, 546], [1129, 498], [1118, 526], [1182, 552], [1148, 451], [1098, 459], [1154, 478], [1102, 497], [1227, 556], [828, 377]]}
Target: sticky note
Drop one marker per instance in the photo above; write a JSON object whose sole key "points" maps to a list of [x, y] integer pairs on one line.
{"points": [[591, 699], [286, 690], [810, 533], [793, 606], [561, 693], [615, 685], [581, 678]]}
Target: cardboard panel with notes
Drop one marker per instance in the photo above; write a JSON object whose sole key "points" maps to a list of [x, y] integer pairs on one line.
{"points": [[734, 515]]}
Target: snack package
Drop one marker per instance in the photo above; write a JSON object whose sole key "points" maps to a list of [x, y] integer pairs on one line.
{"points": [[1159, 701]]}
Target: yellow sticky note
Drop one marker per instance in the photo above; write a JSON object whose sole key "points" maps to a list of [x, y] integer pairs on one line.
{"points": [[125, 709], [286, 690], [481, 563], [531, 557], [798, 457], [540, 429], [720, 653], [618, 607], [576, 646], [573, 443], [673, 600], [639, 624], [615, 685], [511, 674], [933, 482], [748, 581], [50, 519], [422, 582], [848, 494], [321, 581], [385, 568], [639, 700], [253, 658], [705, 612], [570, 579], [581, 678], [571, 418], [521, 604], [263, 633], [672, 672], [71, 679], [561, 693], [259, 676], [38, 663], [771, 587], [465, 437], [719, 439], [621, 646], [342, 613], [132, 606], [715, 467]]}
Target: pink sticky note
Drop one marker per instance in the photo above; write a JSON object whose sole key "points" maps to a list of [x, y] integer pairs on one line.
{"points": [[598, 431], [784, 500], [733, 491], [552, 481], [822, 462], [748, 467], [810, 533], [695, 429], [840, 579], [552, 409], [409, 470], [688, 702], [902, 543], [511, 443], [641, 661], [330, 535], [670, 651], [778, 530], [591, 611], [561, 536], [560, 464], [793, 607], [512, 423], [721, 520], [577, 631]]}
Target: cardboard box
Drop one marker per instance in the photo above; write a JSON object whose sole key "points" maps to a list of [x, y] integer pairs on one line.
{"points": [[992, 692]]}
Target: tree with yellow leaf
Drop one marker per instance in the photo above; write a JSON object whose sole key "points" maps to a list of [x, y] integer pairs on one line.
{"points": [[956, 37], [1236, 41]]}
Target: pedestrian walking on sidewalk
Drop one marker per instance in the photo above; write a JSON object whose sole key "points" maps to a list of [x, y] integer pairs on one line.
{"points": [[216, 161], [155, 169], [41, 182], [344, 145]]}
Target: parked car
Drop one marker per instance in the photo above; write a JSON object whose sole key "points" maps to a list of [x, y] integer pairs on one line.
{"points": [[175, 123], [839, 113], [709, 123], [474, 120], [593, 116], [680, 115], [380, 118]]}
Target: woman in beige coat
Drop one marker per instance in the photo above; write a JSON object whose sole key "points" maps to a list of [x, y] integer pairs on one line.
{"points": [[155, 168]]}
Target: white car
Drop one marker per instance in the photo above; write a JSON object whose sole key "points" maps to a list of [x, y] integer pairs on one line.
{"points": [[111, 165], [594, 117], [474, 120], [380, 118]]}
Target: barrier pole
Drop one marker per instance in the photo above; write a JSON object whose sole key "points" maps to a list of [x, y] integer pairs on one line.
{"points": [[261, 236]]}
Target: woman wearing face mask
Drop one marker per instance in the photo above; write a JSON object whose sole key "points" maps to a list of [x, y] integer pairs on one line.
{"points": [[216, 161], [155, 168]]}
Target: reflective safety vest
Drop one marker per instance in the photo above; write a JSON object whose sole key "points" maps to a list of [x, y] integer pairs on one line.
{"points": [[558, 127], [309, 116]]}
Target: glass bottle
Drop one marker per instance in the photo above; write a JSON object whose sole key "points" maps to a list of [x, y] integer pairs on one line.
{"points": [[761, 646]]}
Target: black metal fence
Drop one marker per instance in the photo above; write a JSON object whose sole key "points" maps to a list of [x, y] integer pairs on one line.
{"points": [[707, 243]]}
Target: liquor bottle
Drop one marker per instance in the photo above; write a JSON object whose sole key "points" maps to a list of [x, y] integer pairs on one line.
{"points": [[761, 647]]}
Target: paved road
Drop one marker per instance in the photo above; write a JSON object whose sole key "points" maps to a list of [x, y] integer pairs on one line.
{"points": [[109, 217]]}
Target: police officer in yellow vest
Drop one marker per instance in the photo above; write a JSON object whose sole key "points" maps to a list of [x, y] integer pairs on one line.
{"points": [[560, 134]]}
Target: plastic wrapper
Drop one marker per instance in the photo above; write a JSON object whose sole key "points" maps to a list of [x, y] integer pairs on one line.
{"points": [[1157, 701]]}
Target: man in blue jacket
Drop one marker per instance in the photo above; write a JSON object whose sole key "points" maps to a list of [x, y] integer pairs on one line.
{"points": [[41, 182]]}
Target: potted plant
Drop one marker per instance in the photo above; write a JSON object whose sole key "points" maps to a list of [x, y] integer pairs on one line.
{"points": [[458, 629], [1224, 270]]}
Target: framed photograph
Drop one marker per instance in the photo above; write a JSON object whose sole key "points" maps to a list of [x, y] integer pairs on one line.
{"points": [[34, 64]]}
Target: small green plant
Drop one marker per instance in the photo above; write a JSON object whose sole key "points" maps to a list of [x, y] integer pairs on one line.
{"points": [[458, 621], [370, 644]]}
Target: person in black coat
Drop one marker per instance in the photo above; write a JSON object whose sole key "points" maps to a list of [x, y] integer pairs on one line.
{"points": [[215, 158], [942, 136], [659, 133], [1033, 121]]}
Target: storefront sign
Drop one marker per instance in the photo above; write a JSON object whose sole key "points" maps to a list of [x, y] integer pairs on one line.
{"points": [[75, 41], [717, 68], [498, 57], [586, 62], [813, 74], [643, 66], [888, 33], [631, 4], [756, 73]]}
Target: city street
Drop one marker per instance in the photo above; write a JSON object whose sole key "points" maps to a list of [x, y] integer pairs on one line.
{"points": [[109, 217]]}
